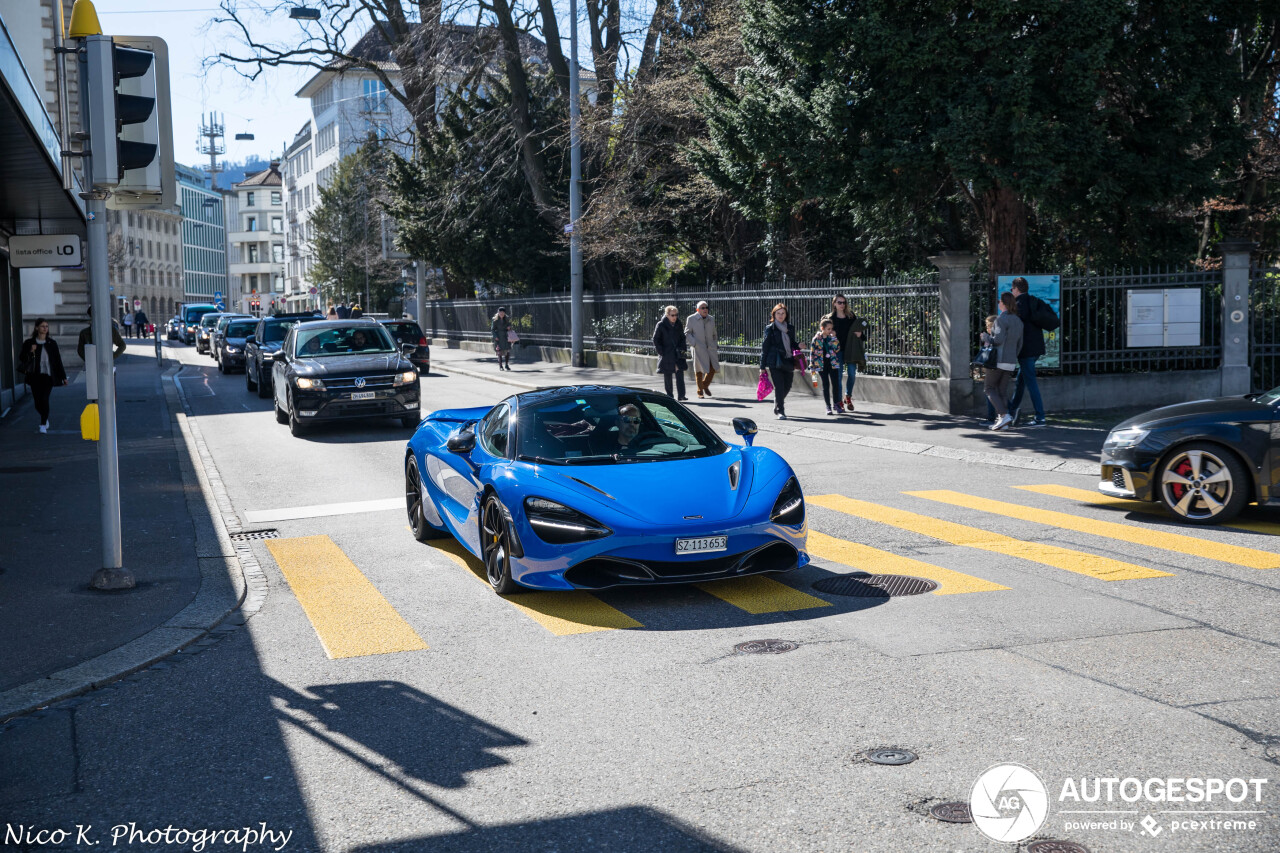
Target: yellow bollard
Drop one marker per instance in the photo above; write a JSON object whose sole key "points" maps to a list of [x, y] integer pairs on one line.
{"points": [[89, 422]]}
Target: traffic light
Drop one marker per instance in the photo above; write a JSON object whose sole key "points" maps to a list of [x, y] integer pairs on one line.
{"points": [[130, 131]]}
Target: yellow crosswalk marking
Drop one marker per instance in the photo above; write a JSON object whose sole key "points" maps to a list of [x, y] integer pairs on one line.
{"points": [[758, 594], [349, 615], [1102, 568], [1098, 499], [561, 613], [875, 561], [1177, 542]]}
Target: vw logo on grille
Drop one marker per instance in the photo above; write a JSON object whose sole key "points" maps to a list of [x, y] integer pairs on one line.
{"points": [[359, 381]]}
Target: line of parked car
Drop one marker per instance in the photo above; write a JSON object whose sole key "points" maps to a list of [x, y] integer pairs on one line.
{"points": [[315, 369]]}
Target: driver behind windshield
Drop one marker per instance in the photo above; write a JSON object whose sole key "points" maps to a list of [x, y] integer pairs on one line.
{"points": [[358, 341], [312, 346]]}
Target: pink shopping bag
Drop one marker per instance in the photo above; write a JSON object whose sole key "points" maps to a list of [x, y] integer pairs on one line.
{"points": [[765, 388]]}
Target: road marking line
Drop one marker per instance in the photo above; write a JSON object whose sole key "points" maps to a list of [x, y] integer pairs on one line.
{"points": [[877, 562], [561, 613], [1097, 499], [1091, 565], [1176, 542], [349, 615], [758, 594], [257, 516]]}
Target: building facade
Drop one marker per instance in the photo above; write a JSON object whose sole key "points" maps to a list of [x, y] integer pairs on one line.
{"points": [[144, 261], [256, 262], [204, 239], [302, 195]]}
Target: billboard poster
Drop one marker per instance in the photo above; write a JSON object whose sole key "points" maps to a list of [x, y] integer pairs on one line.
{"points": [[1048, 288]]}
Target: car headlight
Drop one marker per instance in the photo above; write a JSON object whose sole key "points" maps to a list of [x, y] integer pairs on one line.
{"points": [[406, 378], [789, 507], [1126, 437], [557, 524], [309, 384], [232, 350]]}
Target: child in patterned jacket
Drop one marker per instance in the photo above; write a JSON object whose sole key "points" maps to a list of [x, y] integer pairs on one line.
{"points": [[825, 361]]}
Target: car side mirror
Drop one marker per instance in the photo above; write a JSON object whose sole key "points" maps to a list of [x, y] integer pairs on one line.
{"points": [[746, 428], [251, 339], [278, 355], [462, 441], [408, 349]]}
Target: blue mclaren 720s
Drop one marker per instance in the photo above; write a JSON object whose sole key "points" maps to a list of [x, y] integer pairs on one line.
{"points": [[587, 487]]}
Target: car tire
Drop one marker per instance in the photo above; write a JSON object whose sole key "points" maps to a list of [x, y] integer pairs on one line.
{"points": [[282, 417], [221, 367], [264, 385], [495, 546], [1202, 483], [296, 427], [410, 421], [413, 498], [248, 378]]}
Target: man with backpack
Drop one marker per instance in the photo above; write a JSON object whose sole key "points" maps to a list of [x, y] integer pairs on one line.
{"points": [[1036, 316]]}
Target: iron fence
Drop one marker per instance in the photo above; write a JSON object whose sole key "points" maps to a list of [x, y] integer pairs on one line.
{"points": [[902, 313], [1264, 327]]}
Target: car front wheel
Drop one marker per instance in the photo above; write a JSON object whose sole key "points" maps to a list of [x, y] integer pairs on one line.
{"points": [[296, 427], [264, 385], [413, 498], [495, 545], [1203, 483]]}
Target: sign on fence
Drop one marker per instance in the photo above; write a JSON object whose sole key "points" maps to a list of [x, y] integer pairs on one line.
{"points": [[1048, 288], [1164, 317]]}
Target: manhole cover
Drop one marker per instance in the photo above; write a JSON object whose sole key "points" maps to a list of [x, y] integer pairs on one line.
{"points": [[25, 469], [952, 812], [250, 535], [1051, 845], [765, 647], [874, 586], [890, 756]]}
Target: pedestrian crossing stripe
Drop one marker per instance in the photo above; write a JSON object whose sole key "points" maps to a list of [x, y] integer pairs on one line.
{"points": [[1176, 542], [758, 594], [877, 562], [1085, 496], [561, 613], [349, 615], [1079, 562]]}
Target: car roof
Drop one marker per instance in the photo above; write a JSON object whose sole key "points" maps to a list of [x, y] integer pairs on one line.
{"points": [[387, 320], [358, 322], [295, 315]]}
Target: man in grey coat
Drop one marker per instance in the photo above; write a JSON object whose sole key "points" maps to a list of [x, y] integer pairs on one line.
{"points": [[700, 333]]}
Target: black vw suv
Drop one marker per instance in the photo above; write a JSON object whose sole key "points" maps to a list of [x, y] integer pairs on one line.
{"points": [[264, 343], [343, 369]]}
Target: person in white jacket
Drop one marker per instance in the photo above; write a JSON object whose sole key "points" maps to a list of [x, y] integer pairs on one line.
{"points": [[700, 334], [1005, 334]]}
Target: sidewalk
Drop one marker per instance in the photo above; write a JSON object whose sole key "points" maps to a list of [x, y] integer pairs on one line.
{"points": [[1064, 449], [58, 636]]}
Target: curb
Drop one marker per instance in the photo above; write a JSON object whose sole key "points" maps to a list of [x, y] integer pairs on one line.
{"points": [[1004, 460], [231, 579]]}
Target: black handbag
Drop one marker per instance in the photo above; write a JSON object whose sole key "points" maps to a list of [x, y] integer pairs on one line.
{"points": [[986, 356]]}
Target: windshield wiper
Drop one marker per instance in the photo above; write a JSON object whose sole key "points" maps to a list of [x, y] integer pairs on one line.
{"points": [[540, 460]]}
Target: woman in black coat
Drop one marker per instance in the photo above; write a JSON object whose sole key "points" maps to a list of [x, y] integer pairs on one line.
{"points": [[668, 340], [39, 359], [777, 357]]}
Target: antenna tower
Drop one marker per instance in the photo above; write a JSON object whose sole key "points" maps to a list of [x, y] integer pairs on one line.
{"points": [[212, 133]]}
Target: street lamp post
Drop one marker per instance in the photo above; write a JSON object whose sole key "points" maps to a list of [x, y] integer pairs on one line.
{"points": [[575, 194]]}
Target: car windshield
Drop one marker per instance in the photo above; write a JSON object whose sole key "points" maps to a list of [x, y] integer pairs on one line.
{"points": [[405, 333], [193, 315], [241, 328], [1269, 398], [208, 321], [343, 341], [597, 429], [277, 331]]}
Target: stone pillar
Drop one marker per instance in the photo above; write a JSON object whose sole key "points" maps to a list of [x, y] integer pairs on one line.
{"points": [[955, 338], [1237, 373]]}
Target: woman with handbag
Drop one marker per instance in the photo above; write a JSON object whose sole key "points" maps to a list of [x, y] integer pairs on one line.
{"points": [[778, 355], [502, 331], [673, 355], [851, 331], [40, 361], [1004, 333]]}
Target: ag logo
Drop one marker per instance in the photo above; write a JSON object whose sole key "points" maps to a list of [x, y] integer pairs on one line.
{"points": [[1008, 803]]}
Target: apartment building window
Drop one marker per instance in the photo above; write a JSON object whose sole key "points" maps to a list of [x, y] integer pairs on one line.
{"points": [[375, 96], [306, 195], [277, 225], [253, 253], [323, 99], [248, 202], [253, 283], [326, 138], [275, 198], [277, 283], [277, 253], [253, 223]]}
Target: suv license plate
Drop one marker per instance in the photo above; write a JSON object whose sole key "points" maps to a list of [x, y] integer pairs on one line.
{"points": [[363, 395], [702, 544]]}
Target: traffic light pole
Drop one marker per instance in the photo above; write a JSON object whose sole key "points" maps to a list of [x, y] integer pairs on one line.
{"points": [[575, 197], [112, 575]]}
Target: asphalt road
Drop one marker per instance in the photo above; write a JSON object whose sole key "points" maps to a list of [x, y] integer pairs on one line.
{"points": [[1092, 643]]}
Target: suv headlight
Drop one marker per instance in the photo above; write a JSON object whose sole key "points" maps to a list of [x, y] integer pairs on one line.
{"points": [[557, 524], [309, 384], [1126, 437], [789, 507], [231, 349], [406, 378]]}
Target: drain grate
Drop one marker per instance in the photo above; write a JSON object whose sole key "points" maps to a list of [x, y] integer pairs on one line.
{"points": [[952, 812], [765, 647], [1052, 845], [890, 755], [251, 535], [25, 469], [874, 586]]}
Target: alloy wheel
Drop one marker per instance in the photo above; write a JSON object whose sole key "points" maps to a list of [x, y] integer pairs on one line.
{"points": [[1197, 484], [496, 547]]}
